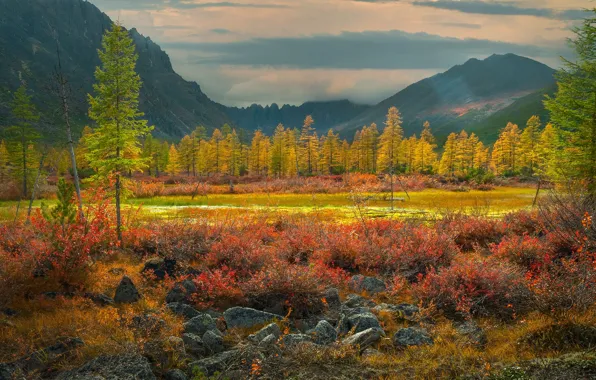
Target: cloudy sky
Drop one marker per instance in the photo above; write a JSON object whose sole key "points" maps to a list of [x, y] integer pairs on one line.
{"points": [[290, 51]]}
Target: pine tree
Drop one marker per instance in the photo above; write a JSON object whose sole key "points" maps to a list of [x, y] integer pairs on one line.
{"points": [[174, 166], [308, 142], [114, 148], [389, 144], [448, 160], [278, 152]]}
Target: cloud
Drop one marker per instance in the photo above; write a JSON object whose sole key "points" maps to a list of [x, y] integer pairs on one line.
{"points": [[356, 50], [108, 5], [221, 31], [512, 8]]}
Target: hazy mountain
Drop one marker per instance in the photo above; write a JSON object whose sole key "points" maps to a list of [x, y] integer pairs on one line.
{"points": [[465, 95], [31, 31]]}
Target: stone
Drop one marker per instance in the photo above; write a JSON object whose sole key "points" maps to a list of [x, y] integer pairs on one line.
{"points": [[370, 352], [365, 338], [175, 374], [245, 317], [162, 353], [271, 329], [403, 311], [126, 292], [41, 359], [200, 324], [370, 285], [473, 332], [182, 292], [268, 341], [158, 268], [411, 336], [183, 310], [213, 341], [217, 363], [331, 296], [99, 299], [121, 367], [356, 300], [194, 345], [291, 340], [364, 321], [324, 333], [148, 324]]}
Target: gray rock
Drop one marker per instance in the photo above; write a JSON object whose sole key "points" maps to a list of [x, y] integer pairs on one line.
{"points": [[292, 340], [200, 324], [245, 317], [371, 285], [331, 295], [364, 321], [268, 341], [183, 310], [213, 341], [126, 292], [194, 345], [270, 329], [219, 362], [159, 268], [117, 367], [175, 374], [182, 292], [370, 352], [364, 338], [404, 310], [162, 352], [473, 332], [99, 299], [411, 336], [324, 333], [355, 300]]}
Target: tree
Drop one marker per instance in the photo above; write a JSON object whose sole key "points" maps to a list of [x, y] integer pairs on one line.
{"points": [[22, 135], [528, 144], [308, 140], [4, 163], [448, 160], [573, 109], [173, 167], [389, 143], [114, 148]]}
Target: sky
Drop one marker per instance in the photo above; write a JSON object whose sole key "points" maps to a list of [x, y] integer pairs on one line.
{"points": [[292, 51]]}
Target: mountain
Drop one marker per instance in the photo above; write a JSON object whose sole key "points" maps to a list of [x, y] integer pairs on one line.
{"points": [[31, 31], [465, 95], [326, 115]]}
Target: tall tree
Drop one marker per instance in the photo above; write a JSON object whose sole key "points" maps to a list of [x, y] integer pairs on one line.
{"points": [[4, 162], [389, 144], [114, 148]]}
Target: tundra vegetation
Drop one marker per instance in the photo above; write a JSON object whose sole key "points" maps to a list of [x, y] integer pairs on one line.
{"points": [[297, 255]]}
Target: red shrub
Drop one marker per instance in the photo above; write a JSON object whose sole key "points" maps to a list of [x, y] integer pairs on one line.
{"points": [[243, 253], [472, 232], [297, 243], [217, 288], [529, 252], [477, 287]]}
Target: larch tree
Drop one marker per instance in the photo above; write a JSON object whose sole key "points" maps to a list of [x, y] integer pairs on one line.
{"points": [[309, 142], [573, 108], [448, 159], [114, 146], [4, 163], [528, 144], [389, 144], [278, 152], [174, 165]]}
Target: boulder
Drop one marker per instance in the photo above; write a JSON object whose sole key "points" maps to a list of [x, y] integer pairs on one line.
{"points": [[163, 353], [245, 317], [182, 292], [324, 333], [291, 340], [99, 299], [403, 311], [217, 363], [121, 367], [473, 332], [331, 296], [200, 324], [213, 340], [268, 341], [175, 374], [126, 292], [371, 285], [411, 336], [363, 321], [183, 310], [365, 338], [355, 300], [193, 344], [158, 268], [270, 329]]}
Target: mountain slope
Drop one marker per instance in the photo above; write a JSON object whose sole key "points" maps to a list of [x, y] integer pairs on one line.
{"points": [[464, 95], [326, 115], [31, 30]]}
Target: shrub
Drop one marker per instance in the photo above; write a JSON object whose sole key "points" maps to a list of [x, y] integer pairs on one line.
{"points": [[531, 253], [477, 287], [472, 232], [242, 253], [218, 287]]}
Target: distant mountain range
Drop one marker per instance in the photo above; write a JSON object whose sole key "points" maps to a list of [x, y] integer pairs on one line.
{"points": [[480, 95]]}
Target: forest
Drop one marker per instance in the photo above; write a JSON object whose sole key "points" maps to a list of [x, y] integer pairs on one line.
{"points": [[294, 256]]}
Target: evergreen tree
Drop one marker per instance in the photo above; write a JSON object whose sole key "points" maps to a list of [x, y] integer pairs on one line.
{"points": [[114, 148], [174, 166], [448, 159], [529, 141], [4, 163], [308, 142]]}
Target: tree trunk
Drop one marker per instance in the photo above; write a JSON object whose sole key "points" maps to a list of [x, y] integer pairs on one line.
{"points": [[41, 160], [118, 213]]}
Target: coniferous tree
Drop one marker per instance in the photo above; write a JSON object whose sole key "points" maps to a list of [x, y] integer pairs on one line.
{"points": [[174, 164], [4, 163], [113, 147]]}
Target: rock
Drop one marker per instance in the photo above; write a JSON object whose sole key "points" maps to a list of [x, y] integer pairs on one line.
{"points": [[175, 374], [291, 340], [148, 324], [126, 292], [364, 338], [121, 367], [245, 317], [9, 312], [158, 268], [183, 310], [215, 363], [355, 300], [324, 333], [164, 353], [182, 292], [213, 341], [200, 324], [99, 299], [471, 330], [371, 285], [364, 321], [194, 345], [370, 352], [268, 341], [41, 359], [271, 329], [404, 310], [331, 296], [411, 336]]}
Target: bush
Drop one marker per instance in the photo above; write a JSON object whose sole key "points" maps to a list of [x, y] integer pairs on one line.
{"points": [[470, 232], [477, 287], [531, 253], [242, 253]]}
